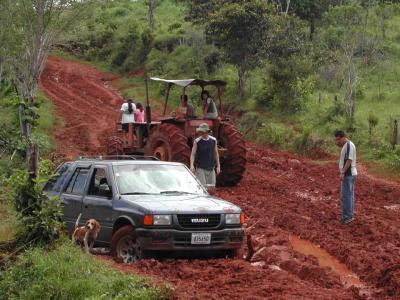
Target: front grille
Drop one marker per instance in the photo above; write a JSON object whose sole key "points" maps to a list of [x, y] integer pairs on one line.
{"points": [[199, 221]]}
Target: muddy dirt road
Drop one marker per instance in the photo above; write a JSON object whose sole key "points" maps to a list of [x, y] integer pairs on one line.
{"points": [[84, 99], [284, 197]]}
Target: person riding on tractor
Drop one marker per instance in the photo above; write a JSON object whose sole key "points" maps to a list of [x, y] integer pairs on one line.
{"points": [[185, 109], [172, 138]]}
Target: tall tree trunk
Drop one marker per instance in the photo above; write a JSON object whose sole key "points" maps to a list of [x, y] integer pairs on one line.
{"points": [[312, 27], [364, 34], [150, 16], [32, 151], [1, 70], [395, 134], [383, 24], [22, 123], [26, 117], [351, 87], [242, 75], [287, 7], [32, 158], [352, 109]]}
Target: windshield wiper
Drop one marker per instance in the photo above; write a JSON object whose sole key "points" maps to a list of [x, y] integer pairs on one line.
{"points": [[138, 193]]}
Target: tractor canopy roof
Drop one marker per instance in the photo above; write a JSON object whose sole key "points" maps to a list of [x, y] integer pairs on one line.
{"points": [[187, 82]]}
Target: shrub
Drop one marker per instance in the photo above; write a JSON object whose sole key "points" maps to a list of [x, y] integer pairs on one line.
{"points": [[167, 42], [119, 11], [127, 54], [336, 110], [276, 134], [249, 123], [372, 122], [41, 216], [308, 143], [174, 26]]}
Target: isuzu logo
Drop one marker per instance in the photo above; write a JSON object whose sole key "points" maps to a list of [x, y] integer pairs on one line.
{"points": [[202, 220]]}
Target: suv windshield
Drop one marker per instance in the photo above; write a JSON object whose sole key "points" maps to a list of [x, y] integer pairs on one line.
{"points": [[155, 179]]}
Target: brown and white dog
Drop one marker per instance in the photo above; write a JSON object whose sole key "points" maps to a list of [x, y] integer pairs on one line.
{"points": [[86, 235]]}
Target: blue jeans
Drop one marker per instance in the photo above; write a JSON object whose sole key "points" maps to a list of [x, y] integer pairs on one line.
{"points": [[347, 197]]}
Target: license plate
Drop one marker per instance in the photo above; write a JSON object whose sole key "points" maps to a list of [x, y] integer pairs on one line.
{"points": [[201, 238]]}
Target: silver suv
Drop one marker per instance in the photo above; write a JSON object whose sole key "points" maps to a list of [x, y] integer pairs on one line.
{"points": [[146, 205]]}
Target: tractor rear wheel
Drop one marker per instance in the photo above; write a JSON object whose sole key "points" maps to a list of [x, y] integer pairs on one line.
{"points": [[167, 142], [233, 162], [115, 146]]}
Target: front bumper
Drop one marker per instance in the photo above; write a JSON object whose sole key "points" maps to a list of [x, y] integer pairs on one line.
{"points": [[171, 239]]}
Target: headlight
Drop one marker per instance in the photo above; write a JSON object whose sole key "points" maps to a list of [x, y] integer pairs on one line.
{"points": [[233, 219], [162, 220]]}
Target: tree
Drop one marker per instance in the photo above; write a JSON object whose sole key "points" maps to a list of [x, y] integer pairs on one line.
{"points": [[344, 37], [201, 10], [33, 26], [310, 10], [150, 16], [240, 30], [290, 68]]}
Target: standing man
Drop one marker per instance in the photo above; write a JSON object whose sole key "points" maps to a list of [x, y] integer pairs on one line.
{"points": [[348, 175], [204, 157]]}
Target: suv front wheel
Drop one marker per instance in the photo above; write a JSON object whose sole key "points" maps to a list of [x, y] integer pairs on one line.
{"points": [[124, 245]]}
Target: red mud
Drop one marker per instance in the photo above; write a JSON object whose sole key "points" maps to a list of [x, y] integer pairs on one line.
{"points": [[281, 194], [84, 100]]}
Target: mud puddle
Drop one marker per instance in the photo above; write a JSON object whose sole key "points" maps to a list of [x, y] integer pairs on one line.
{"points": [[347, 277]]}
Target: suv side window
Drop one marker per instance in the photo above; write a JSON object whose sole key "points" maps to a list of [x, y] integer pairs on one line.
{"points": [[56, 182], [99, 185], [78, 180]]}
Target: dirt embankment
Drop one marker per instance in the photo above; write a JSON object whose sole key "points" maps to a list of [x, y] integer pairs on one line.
{"points": [[281, 195], [84, 99]]}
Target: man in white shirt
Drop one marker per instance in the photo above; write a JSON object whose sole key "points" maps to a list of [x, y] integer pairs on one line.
{"points": [[348, 175]]}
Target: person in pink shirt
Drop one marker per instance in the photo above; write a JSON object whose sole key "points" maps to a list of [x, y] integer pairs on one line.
{"points": [[139, 114], [139, 118]]}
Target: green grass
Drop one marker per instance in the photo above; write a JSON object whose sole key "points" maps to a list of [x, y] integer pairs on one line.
{"points": [[67, 273], [8, 218]]}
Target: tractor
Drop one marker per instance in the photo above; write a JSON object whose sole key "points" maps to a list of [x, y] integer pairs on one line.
{"points": [[171, 138]]}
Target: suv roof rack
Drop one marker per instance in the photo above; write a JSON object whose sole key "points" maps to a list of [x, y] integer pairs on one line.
{"points": [[118, 157]]}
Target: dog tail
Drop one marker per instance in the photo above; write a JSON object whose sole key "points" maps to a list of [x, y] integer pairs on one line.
{"points": [[77, 221]]}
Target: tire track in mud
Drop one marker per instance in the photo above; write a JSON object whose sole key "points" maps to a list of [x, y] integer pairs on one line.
{"points": [[282, 194]]}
